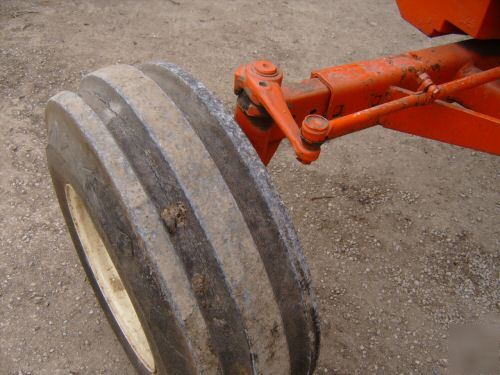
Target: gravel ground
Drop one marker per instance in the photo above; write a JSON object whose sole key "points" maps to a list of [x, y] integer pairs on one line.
{"points": [[402, 234]]}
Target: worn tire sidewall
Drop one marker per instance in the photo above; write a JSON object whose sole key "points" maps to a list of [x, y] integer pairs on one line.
{"points": [[133, 268]]}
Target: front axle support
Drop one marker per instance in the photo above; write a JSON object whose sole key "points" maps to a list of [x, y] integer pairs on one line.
{"points": [[411, 92]]}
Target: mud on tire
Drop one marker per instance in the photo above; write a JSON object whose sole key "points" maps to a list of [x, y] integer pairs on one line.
{"points": [[188, 248]]}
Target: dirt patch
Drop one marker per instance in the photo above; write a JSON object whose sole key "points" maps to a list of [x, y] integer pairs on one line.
{"points": [[401, 234]]}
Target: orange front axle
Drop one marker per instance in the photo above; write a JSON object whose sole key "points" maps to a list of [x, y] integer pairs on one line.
{"points": [[408, 92]]}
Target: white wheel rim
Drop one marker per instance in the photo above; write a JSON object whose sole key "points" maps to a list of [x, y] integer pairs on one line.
{"points": [[109, 280]]}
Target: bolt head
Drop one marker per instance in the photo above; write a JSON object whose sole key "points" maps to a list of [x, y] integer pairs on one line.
{"points": [[315, 129], [266, 68]]}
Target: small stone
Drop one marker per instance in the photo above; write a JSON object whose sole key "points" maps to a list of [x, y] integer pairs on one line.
{"points": [[38, 300]]}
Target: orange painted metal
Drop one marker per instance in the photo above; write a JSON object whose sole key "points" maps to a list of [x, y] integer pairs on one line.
{"points": [[359, 95], [302, 99], [484, 98], [315, 129], [372, 116], [264, 140], [477, 18], [446, 122], [261, 83], [364, 84]]}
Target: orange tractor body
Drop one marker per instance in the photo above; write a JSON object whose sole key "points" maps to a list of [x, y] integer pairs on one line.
{"points": [[415, 92], [478, 18]]}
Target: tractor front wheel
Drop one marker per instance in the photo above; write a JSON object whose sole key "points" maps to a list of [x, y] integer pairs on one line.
{"points": [[187, 246]]}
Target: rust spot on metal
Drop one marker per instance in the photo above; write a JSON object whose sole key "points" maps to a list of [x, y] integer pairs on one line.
{"points": [[415, 56], [337, 111], [412, 69]]}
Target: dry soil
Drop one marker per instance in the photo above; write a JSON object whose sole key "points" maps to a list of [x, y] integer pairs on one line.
{"points": [[402, 234]]}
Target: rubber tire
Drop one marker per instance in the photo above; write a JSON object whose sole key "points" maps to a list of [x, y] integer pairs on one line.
{"points": [[142, 149]]}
